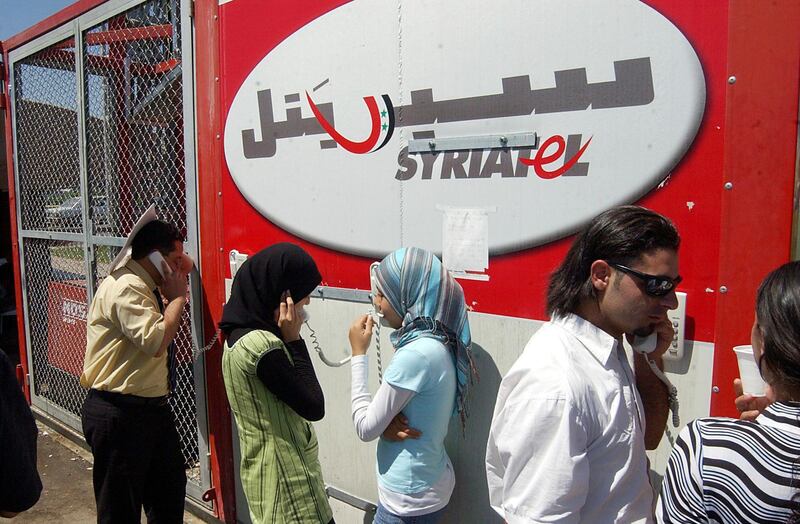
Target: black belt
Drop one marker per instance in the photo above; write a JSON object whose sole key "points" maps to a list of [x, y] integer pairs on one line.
{"points": [[128, 400]]}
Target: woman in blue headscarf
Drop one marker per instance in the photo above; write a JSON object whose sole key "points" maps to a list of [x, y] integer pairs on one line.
{"points": [[427, 379]]}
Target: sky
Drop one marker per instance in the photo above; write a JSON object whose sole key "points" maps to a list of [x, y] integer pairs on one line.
{"points": [[18, 15]]}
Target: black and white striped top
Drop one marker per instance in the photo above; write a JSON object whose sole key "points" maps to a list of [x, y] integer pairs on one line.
{"points": [[731, 471]]}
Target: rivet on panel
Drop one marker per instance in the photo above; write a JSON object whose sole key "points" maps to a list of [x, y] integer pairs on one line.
{"points": [[728, 185], [723, 289], [715, 389], [731, 79]]}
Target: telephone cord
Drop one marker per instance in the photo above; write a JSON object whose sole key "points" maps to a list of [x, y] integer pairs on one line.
{"points": [[197, 350], [312, 335], [378, 351], [673, 392]]}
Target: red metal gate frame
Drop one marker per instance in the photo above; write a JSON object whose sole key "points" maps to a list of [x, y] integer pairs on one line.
{"points": [[208, 121], [759, 162]]}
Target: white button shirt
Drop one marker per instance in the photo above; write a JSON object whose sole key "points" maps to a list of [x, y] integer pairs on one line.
{"points": [[567, 437]]}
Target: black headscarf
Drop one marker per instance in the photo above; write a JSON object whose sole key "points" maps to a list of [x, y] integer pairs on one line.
{"points": [[259, 284]]}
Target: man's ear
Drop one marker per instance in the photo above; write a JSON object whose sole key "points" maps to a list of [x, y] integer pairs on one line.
{"points": [[600, 275]]}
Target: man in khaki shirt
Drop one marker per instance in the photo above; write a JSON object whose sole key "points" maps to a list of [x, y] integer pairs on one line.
{"points": [[126, 418]]}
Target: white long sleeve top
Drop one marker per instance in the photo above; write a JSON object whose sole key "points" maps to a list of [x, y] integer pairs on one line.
{"points": [[371, 416]]}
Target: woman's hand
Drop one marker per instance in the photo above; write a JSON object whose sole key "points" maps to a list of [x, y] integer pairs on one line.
{"points": [[360, 335], [289, 319], [749, 406], [398, 430]]}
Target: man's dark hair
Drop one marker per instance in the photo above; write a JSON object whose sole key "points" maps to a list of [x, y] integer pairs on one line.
{"points": [[621, 235], [158, 235]]}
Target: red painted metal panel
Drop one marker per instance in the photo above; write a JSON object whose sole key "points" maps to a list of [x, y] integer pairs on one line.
{"points": [[12, 205], [212, 259], [66, 318], [761, 130], [691, 196]]}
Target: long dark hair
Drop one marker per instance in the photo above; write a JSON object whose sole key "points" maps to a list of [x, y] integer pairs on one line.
{"points": [[778, 317], [621, 234]]}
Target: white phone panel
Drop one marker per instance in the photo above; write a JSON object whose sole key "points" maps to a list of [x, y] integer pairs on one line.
{"points": [[678, 318]]}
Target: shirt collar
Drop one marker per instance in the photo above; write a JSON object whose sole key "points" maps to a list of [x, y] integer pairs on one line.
{"points": [[142, 273], [782, 415], [598, 342]]}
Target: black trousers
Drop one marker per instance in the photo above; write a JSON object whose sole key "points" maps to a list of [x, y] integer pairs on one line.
{"points": [[137, 460]]}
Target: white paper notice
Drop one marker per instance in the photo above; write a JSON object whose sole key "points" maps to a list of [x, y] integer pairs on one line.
{"points": [[465, 239]]}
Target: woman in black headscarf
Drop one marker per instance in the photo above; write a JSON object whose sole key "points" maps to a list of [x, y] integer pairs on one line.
{"points": [[272, 387]]}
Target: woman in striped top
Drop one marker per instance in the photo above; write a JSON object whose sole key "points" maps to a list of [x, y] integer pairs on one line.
{"points": [[272, 387], [731, 471]]}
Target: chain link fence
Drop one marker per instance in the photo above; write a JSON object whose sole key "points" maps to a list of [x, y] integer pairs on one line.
{"points": [[55, 288], [133, 134], [46, 116]]}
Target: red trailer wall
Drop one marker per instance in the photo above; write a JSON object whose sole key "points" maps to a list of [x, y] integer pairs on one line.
{"points": [[730, 238]]}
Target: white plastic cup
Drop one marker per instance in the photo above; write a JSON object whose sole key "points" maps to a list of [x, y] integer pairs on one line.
{"points": [[752, 383]]}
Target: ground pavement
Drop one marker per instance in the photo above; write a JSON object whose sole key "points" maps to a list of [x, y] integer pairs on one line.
{"points": [[66, 472]]}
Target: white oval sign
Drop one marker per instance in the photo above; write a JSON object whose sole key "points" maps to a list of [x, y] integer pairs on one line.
{"points": [[595, 101]]}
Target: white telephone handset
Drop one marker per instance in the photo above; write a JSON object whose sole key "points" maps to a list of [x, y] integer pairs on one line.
{"points": [[157, 258], [645, 344]]}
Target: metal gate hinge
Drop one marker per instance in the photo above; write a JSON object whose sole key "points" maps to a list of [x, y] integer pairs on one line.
{"points": [[209, 495]]}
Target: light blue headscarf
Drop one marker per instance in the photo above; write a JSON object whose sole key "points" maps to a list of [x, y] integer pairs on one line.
{"points": [[422, 291]]}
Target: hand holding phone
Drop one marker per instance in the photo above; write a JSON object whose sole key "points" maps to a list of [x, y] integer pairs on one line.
{"points": [[173, 283], [653, 340], [360, 334], [289, 320]]}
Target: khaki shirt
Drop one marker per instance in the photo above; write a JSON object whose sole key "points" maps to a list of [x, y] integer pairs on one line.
{"points": [[124, 329]]}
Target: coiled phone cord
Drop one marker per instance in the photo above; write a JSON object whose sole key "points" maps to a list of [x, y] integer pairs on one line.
{"points": [[673, 391], [312, 335], [378, 351]]}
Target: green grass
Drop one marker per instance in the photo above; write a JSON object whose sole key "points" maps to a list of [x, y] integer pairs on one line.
{"points": [[103, 254]]}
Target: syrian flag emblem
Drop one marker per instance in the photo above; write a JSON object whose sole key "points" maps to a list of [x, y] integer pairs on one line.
{"points": [[381, 114]]}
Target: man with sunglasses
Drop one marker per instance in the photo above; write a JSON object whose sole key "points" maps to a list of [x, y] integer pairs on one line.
{"points": [[572, 419]]}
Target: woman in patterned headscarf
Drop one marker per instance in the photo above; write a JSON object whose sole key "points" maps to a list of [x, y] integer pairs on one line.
{"points": [[427, 379]]}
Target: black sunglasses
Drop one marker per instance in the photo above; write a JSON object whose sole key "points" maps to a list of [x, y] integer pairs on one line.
{"points": [[654, 285]]}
